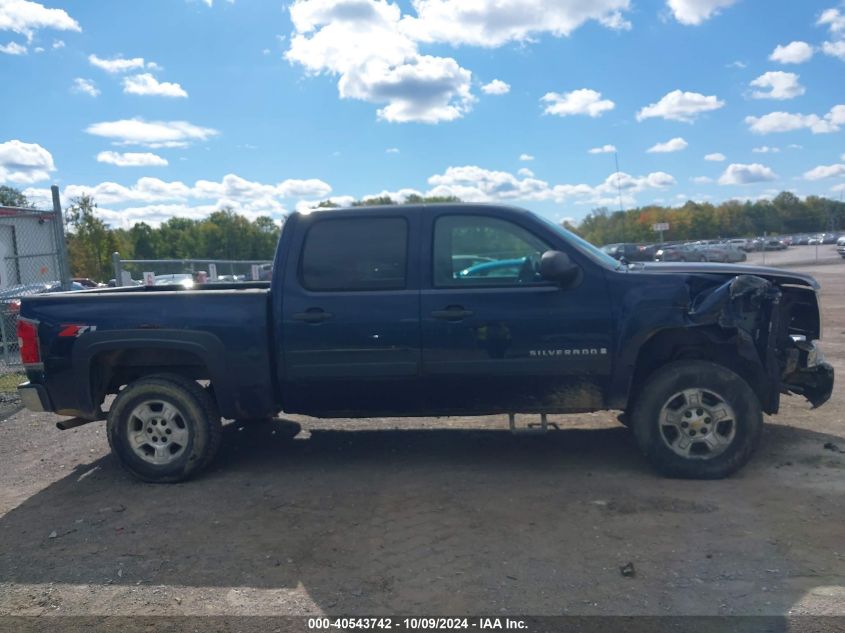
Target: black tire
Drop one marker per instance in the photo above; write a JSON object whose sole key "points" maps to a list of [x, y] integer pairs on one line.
{"points": [[720, 386], [198, 421]]}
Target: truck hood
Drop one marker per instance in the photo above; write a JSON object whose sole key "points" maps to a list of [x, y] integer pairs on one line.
{"points": [[775, 275]]}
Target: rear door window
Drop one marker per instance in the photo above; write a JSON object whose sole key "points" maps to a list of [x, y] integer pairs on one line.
{"points": [[355, 254]]}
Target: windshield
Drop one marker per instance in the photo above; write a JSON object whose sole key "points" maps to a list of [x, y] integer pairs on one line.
{"points": [[582, 245]]}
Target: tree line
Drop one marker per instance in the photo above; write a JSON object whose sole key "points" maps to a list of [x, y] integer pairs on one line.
{"points": [[225, 234], [786, 214]]}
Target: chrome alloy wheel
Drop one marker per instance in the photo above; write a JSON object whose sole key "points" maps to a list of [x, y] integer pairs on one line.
{"points": [[157, 432], [697, 424]]}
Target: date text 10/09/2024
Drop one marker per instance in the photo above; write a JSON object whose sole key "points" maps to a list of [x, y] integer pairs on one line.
{"points": [[417, 623]]}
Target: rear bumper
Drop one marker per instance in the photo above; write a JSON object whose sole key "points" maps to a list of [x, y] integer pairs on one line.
{"points": [[35, 397]]}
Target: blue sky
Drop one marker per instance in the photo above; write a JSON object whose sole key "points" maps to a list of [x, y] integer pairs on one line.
{"points": [[176, 107]]}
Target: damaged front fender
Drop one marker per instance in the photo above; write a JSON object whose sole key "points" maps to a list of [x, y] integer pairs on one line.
{"points": [[751, 309]]}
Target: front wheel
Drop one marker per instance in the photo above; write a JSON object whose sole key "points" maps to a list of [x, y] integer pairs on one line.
{"points": [[697, 420], [164, 429]]}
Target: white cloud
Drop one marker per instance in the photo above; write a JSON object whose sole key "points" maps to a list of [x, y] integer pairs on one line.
{"points": [[716, 157], [492, 23], [496, 87], [156, 200], [582, 101], [604, 149], [787, 122], [120, 64], [476, 184], [793, 53], [12, 48], [680, 106], [131, 159], [147, 85], [526, 157], [674, 145], [151, 133], [525, 173], [739, 174], [361, 42], [24, 163], [702, 180], [777, 85], [424, 90], [374, 49], [391, 150], [835, 49], [694, 12], [765, 149], [311, 188], [825, 171], [57, 44], [737, 64], [25, 17], [85, 87], [834, 20]]}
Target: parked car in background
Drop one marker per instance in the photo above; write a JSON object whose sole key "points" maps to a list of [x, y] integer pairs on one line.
{"points": [[86, 282], [680, 253], [801, 240], [631, 252], [742, 244], [773, 245], [815, 240], [724, 253], [840, 246], [186, 280], [462, 262]]}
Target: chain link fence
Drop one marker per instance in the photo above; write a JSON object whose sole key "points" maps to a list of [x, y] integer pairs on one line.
{"points": [[187, 272], [33, 260]]}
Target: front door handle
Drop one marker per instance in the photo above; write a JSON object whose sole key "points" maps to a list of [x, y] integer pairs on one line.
{"points": [[313, 315], [452, 313]]}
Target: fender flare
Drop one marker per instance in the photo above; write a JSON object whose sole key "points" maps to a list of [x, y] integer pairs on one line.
{"points": [[205, 346]]}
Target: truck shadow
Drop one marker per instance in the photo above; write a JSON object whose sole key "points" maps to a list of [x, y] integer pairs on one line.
{"points": [[427, 521]]}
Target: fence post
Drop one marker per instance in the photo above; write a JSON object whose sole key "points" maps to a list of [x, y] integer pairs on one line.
{"points": [[61, 244], [6, 341], [118, 269]]}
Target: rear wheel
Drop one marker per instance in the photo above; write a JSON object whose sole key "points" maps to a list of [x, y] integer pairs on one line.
{"points": [[698, 420], [164, 428]]}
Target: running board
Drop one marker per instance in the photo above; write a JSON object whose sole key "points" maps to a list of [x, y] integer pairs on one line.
{"points": [[532, 428]]}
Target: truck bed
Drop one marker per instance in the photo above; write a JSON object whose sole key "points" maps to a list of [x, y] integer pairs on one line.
{"points": [[223, 327]]}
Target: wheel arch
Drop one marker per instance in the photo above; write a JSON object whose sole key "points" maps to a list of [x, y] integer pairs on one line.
{"points": [[105, 361], [709, 343]]}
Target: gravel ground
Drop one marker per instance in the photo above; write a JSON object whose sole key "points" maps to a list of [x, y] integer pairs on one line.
{"points": [[432, 516]]}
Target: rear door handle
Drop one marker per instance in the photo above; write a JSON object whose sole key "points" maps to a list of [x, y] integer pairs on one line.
{"points": [[314, 315], [452, 313]]}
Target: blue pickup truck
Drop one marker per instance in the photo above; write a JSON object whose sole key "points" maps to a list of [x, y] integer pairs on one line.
{"points": [[402, 310]]}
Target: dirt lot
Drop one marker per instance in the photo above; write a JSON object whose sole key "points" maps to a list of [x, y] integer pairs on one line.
{"points": [[449, 516]]}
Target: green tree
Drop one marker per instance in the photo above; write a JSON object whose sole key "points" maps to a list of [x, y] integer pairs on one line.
{"points": [[11, 197], [90, 241]]}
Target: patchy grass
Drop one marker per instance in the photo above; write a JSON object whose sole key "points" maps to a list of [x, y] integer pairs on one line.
{"points": [[9, 382]]}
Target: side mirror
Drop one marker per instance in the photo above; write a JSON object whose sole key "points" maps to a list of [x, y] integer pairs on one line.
{"points": [[556, 266]]}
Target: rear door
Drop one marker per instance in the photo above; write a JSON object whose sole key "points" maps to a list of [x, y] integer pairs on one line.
{"points": [[351, 331], [496, 337]]}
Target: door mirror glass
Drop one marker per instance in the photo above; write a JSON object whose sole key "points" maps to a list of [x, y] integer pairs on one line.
{"points": [[556, 266]]}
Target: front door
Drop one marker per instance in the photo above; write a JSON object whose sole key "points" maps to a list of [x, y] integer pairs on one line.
{"points": [[498, 338], [351, 331]]}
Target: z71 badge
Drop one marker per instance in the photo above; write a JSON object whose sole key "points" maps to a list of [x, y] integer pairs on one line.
{"points": [[75, 331]]}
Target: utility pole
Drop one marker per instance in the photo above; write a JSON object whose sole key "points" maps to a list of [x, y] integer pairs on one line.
{"points": [[619, 191]]}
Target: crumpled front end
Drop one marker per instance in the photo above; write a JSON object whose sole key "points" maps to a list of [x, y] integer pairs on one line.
{"points": [[775, 326]]}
